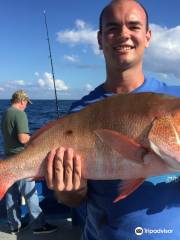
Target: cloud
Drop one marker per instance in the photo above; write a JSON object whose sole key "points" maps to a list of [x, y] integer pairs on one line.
{"points": [[61, 86], [80, 24], [41, 82], [36, 74], [15, 84], [41, 88], [82, 34], [19, 82], [88, 87], [47, 82], [71, 58], [163, 54]]}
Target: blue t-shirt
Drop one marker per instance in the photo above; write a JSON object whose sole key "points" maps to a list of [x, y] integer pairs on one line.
{"points": [[153, 210]]}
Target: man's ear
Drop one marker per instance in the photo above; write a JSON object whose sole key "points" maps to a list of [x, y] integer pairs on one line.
{"points": [[148, 38], [99, 38]]}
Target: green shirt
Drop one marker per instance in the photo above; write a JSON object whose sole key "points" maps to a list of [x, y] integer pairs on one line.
{"points": [[13, 123]]}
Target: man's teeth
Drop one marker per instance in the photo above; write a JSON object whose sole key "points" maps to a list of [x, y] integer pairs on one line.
{"points": [[124, 48]]}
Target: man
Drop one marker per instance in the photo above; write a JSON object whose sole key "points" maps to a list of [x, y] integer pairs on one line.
{"points": [[152, 211], [15, 132]]}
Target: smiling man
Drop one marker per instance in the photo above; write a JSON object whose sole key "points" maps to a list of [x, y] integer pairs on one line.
{"points": [[152, 211], [123, 36]]}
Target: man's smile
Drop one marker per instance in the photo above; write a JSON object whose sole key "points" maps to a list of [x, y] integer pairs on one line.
{"points": [[123, 48]]}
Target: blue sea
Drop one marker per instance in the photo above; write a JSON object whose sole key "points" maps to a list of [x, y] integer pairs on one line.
{"points": [[39, 113]]}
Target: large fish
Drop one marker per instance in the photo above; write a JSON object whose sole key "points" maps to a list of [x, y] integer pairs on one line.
{"points": [[127, 136]]}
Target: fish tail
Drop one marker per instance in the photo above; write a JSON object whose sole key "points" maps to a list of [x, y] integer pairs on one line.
{"points": [[4, 186], [6, 179]]}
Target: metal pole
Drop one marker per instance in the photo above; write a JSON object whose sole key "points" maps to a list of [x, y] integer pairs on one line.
{"points": [[52, 69]]}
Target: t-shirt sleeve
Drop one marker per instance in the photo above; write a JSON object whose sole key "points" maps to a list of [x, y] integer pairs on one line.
{"points": [[22, 123]]}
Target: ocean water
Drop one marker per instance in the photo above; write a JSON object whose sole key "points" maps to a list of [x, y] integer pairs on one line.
{"points": [[39, 113]]}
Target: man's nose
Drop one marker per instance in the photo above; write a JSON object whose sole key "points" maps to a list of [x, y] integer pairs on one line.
{"points": [[123, 32]]}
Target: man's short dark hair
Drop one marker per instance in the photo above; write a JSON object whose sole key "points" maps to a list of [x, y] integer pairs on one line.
{"points": [[106, 7]]}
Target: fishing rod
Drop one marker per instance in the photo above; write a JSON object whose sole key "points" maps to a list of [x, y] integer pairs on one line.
{"points": [[52, 68]]}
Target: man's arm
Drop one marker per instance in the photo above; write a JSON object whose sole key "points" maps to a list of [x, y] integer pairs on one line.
{"points": [[63, 175], [23, 138], [22, 127]]}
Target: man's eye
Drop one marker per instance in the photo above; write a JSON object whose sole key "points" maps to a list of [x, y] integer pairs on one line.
{"points": [[135, 27], [111, 29]]}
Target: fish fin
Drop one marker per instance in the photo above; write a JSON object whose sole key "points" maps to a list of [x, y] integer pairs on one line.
{"points": [[126, 146], [127, 187], [164, 138], [5, 184]]}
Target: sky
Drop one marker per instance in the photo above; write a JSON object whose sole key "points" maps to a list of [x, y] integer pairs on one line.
{"points": [[78, 64]]}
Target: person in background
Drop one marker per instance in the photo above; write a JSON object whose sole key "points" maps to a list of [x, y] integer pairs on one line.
{"points": [[15, 131], [153, 210]]}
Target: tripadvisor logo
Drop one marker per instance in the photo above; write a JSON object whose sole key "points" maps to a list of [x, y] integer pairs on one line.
{"points": [[138, 231]]}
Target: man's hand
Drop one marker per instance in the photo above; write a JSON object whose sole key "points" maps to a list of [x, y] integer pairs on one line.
{"points": [[63, 174], [23, 138]]}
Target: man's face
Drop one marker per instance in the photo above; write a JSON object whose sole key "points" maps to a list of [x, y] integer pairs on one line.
{"points": [[124, 36], [24, 104]]}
